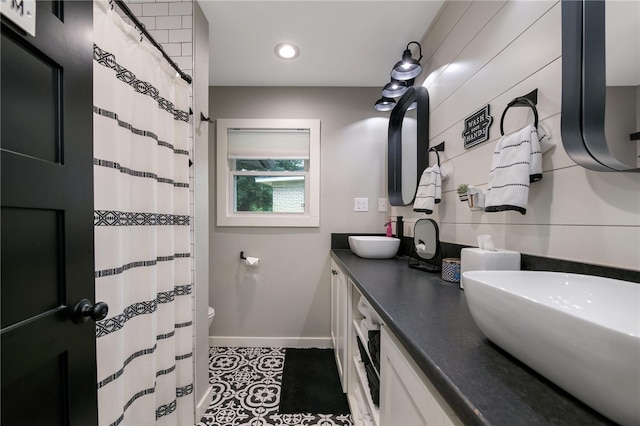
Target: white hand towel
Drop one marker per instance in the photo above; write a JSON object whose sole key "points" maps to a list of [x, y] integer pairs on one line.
{"points": [[424, 195], [535, 166], [517, 161], [367, 325], [544, 137], [440, 176], [367, 311], [429, 191], [364, 307]]}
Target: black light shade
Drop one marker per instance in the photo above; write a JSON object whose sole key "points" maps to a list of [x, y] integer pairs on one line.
{"points": [[407, 68], [384, 104], [396, 88]]}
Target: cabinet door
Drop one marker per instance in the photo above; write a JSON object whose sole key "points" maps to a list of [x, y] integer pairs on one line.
{"points": [[340, 321], [334, 304], [405, 397], [342, 341]]}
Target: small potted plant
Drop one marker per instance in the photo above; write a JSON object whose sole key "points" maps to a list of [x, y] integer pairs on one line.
{"points": [[463, 192]]}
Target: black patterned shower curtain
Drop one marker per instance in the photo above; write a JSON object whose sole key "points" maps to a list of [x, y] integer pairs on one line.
{"points": [[141, 222]]}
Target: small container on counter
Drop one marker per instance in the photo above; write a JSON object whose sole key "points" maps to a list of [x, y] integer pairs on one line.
{"points": [[451, 269]]}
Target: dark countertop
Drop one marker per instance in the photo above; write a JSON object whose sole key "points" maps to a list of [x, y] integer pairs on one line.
{"points": [[482, 383]]}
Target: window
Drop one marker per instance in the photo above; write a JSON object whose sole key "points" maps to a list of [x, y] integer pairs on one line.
{"points": [[268, 172]]}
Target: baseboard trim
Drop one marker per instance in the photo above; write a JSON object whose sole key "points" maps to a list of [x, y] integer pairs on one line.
{"points": [[270, 342], [202, 406]]}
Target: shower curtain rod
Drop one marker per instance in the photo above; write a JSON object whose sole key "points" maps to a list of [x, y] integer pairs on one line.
{"points": [[140, 26]]}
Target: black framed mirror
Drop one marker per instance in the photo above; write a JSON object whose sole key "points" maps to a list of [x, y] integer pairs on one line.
{"points": [[408, 142], [601, 84], [425, 253]]}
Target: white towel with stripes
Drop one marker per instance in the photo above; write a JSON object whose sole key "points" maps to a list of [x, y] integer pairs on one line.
{"points": [[517, 162], [429, 191]]}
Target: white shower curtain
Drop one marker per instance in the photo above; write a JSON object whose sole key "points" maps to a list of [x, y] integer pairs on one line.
{"points": [[141, 222]]}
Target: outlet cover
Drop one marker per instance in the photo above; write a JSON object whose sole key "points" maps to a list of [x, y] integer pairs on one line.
{"points": [[382, 205], [361, 205]]}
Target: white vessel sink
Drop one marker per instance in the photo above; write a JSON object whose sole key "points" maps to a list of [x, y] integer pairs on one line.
{"points": [[372, 247], [581, 332]]}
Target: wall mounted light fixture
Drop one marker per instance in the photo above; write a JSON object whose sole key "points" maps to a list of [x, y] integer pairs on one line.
{"points": [[402, 77], [407, 68], [384, 104], [396, 88]]}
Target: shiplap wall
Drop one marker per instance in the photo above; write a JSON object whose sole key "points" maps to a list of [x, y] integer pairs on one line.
{"points": [[491, 52]]}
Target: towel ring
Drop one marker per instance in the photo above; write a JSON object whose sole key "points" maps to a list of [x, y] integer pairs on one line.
{"points": [[436, 148], [437, 155], [517, 102]]}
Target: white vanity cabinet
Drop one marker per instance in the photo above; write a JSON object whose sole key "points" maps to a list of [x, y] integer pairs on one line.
{"points": [[407, 397], [340, 320]]}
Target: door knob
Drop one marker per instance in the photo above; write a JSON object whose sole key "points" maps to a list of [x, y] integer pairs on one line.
{"points": [[84, 309]]}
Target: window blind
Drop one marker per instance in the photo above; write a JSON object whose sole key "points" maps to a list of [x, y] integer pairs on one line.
{"points": [[261, 144]]}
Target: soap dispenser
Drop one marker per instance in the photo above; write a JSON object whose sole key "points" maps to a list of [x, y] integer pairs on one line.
{"points": [[389, 228]]}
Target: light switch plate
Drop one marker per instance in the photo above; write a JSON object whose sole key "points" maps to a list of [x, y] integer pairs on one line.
{"points": [[361, 205], [382, 204]]}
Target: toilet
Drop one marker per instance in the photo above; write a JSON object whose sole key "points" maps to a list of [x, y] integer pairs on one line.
{"points": [[212, 313]]}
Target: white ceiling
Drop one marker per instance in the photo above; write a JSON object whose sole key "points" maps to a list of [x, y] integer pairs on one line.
{"points": [[342, 43]]}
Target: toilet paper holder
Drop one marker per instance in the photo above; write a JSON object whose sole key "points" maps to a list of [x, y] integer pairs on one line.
{"points": [[249, 261]]}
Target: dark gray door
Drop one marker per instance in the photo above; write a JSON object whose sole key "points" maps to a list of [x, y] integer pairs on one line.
{"points": [[48, 361]]}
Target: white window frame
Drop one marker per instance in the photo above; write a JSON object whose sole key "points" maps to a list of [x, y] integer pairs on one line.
{"points": [[226, 216]]}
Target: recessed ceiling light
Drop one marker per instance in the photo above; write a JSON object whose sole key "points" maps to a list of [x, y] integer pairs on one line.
{"points": [[286, 51]]}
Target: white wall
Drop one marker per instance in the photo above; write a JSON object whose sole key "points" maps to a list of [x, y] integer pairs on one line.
{"points": [[287, 297], [490, 52]]}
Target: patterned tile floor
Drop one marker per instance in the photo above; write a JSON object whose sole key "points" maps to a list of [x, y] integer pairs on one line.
{"points": [[246, 385]]}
